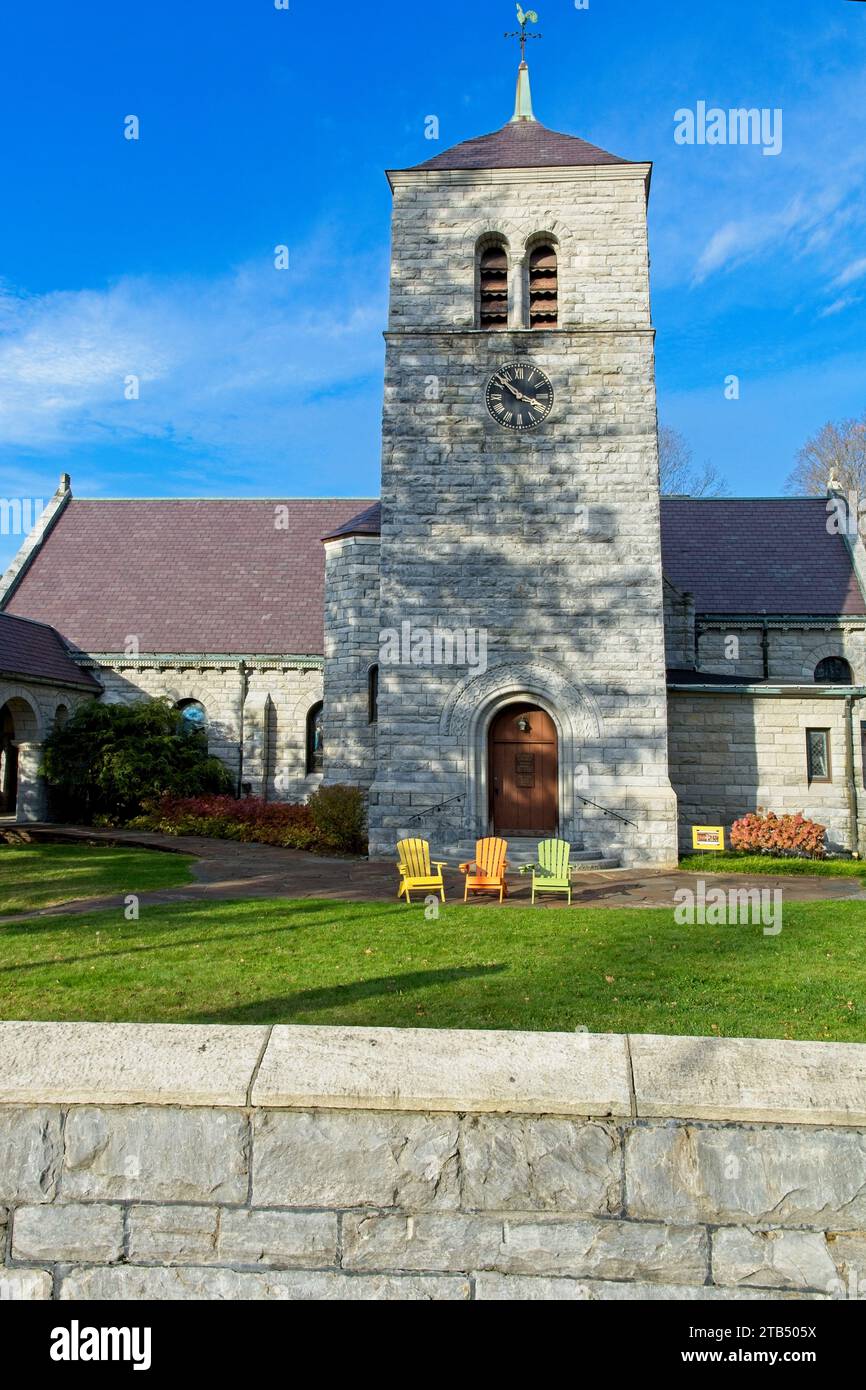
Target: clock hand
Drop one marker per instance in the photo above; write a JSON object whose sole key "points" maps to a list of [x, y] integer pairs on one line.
{"points": [[518, 395], [528, 400]]}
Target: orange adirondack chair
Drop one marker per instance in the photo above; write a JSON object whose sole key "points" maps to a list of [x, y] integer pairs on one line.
{"points": [[417, 874], [487, 873]]}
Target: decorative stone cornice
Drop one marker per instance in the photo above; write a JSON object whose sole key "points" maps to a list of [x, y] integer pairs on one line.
{"points": [[120, 662], [413, 178]]}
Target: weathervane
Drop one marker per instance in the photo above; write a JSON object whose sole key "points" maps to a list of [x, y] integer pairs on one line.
{"points": [[524, 17]]}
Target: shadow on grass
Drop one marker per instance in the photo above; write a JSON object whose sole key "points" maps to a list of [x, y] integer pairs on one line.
{"points": [[336, 996], [136, 942]]}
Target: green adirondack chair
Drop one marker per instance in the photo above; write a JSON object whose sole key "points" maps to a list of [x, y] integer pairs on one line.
{"points": [[553, 873]]}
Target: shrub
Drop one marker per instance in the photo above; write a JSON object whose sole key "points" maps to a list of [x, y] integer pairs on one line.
{"points": [[340, 817], [106, 761], [251, 821], [786, 835]]}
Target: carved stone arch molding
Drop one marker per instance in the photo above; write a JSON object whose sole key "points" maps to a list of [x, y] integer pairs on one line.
{"points": [[499, 228], [310, 693], [475, 702], [544, 226], [36, 733]]}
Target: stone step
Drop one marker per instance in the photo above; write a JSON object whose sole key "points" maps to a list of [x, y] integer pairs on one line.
{"points": [[524, 851]]}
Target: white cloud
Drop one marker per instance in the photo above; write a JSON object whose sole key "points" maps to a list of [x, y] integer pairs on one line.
{"points": [[803, 225], [855, 271], [839, 305], [723, 209], [234, 364]]}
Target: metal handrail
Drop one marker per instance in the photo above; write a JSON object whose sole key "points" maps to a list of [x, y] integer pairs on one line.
{"points": [[431, 810], [616, 815]]}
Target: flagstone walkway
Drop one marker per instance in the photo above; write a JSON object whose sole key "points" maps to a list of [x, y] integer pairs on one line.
{"points": [[227, 871]]}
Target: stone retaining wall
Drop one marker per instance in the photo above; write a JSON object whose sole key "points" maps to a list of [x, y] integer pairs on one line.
{"points": [[316, 1163]]}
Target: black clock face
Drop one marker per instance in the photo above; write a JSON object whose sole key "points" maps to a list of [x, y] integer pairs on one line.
{"points": [[519, 396]]}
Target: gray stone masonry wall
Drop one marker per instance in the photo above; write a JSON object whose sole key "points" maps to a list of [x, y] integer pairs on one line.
{"points": [[597, 218], [679, 628], [794, 652], [547, 542], [383, 1191], [275, 718], [732, 754], [352, 602]]}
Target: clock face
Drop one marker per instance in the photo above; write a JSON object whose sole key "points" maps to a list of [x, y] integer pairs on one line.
{"points": [[519, 396]]}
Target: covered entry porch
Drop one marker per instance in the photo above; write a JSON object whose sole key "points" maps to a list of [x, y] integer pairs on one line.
{"points": [[40, 685]]}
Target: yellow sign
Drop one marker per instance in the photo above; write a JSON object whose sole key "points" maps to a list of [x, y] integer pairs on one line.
{"points": [[708, 837]]}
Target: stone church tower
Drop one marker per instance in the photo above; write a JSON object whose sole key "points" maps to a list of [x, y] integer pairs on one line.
{"points": [[513, 601]]}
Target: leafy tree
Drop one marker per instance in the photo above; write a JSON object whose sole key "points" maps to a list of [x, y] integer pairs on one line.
{"points": [[680, 475], [837, 453], [106, 760]]}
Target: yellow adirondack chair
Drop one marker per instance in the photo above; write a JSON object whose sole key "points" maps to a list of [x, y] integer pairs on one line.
{"points": [[416, 872], [553, 872], [487, 873]]}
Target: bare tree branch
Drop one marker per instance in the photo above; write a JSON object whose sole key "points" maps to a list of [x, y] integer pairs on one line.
{"points": [[680, 475], [837, 453]]}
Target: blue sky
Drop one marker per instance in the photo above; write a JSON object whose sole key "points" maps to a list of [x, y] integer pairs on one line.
{"points": [[262, 127]]}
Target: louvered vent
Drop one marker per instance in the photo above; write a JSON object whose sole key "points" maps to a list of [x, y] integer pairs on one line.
{"points": [[543, 288], [494, 288]]}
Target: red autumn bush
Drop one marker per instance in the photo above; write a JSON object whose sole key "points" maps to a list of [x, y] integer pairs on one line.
{"points": [[254, 821], [786, 835]]}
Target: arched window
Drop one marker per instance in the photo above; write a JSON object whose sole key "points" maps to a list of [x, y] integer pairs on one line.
{"points": [[194, 717], [493, 287], [61, 714], [315, 740], [833, 670], [543, 287], [373, 695]]}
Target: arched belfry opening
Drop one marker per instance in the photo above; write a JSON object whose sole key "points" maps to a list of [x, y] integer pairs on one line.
{"points": [[493, 286], [523, 753]]}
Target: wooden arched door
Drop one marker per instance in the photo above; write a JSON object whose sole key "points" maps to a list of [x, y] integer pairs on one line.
{"points": [[524, 772]]}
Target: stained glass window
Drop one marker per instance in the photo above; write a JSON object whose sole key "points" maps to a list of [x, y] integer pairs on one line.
{"points": [[818, 754]]}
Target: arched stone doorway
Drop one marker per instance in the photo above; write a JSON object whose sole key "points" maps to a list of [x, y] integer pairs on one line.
{"points": [[8, 763], [19, 728], [523, 772]]}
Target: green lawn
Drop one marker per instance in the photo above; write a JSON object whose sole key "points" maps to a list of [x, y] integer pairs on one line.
{"points": [[476, 967], [42, 875], [770, 864]]}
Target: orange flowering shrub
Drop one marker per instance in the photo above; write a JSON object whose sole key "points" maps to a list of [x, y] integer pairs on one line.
{"points": [[786, 835]]}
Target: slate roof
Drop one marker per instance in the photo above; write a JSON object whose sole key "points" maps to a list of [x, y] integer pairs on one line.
{"points": [[30, 650], [367, 523], [522, 145], [746, 555], [759, 555], [208, 576], [217, 577]]}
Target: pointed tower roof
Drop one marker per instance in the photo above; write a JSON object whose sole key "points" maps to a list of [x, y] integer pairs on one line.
{"points": [[524, 144], [521, 144]]}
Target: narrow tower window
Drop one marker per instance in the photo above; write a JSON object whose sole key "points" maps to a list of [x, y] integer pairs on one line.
{"points": [[493, 281], [543, 287], [315, 740], [373, 695]]}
